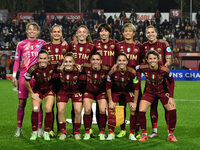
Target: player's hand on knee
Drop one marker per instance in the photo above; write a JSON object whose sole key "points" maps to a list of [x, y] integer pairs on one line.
{"points": [[111, 105], [133, 107], [36, 97], [172, 102]]}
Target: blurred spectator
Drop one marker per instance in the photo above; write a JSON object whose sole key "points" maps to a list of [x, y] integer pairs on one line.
{"points": [[157, 16], [3, 66], [36, 16], [110, 20], [198, 18], [102, 18], [55, 21], [123, 18], [95, 17], [133, 16], [43, 17]]}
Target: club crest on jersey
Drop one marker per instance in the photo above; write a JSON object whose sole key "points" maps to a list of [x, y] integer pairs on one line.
{"points": [[153, 76], [81, 49], [88, 50], [67, 77], [112, 46], [50, 71], [56, 50], [128, 50], [105, 47], [64, 50], [75, 77], [135, 50], [159, 49]]}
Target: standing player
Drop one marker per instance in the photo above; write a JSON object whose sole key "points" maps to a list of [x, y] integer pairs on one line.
{"points": [[95, 90], [163, 48], [26, 55], [69, 74], [82, 50], [123, 82], [57, 51], [159, 85], [43, 74], [133, 49], [106, 47]]}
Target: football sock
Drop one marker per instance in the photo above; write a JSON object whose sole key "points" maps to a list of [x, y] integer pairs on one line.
{"points": [[77, 127], [34, 120], [40, 118], [142, 120], [48, 121], [20, 116], [172, 120], [62, 127], [87, 122], [132, 123], [102, 122]]}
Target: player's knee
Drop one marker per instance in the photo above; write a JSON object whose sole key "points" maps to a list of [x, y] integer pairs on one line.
{"points": [[87, 111], [77, 111], [22, 104], [102, 111], [61, 111], [48, 108]]}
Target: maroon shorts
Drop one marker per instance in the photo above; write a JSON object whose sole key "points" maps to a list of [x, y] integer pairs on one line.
{"points": [[96, 96], [63, 96], [45, 94], [150, 97], [129, 96]]}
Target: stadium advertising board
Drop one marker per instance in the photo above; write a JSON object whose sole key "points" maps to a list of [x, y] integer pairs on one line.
{"points": [[184, 75], [175, 13], [50, 16], [186, 44]]}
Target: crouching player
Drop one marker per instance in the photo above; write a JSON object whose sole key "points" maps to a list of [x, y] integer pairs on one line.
{"points": [[42, 73], [69, 75], [95, 90], [123, 81], [159, 85]]}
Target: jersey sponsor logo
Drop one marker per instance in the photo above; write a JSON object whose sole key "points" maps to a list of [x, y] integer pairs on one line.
{"points": [[169, 49]]}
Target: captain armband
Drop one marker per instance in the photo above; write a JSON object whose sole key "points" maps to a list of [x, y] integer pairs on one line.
{"points": [[135, 80], [28, 76], [108, 78]]}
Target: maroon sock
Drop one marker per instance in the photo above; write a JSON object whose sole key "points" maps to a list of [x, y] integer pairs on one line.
{"points": [[142, 120], [167, 118], [102, 122], [77, 127], [87, 122], [132, 123], [172, 120], [137, 124], [20, 116], [111, 129], [34, 120], [48, 121], [62, 127], [40, 118], [154, 115]]}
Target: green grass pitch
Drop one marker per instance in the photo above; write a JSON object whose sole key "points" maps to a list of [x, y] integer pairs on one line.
{"points": [[187, 97]]}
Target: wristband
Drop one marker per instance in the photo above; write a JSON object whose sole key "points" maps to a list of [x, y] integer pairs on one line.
{"points": [[14, 74]]}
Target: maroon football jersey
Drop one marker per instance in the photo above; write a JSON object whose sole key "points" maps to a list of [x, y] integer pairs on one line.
{"points": [[69, 80], [119, 82], [162, 47], [56, 51], [107, 51], [43, 77], [82, 52], [133, 51], [96, 80], [159, 81]]}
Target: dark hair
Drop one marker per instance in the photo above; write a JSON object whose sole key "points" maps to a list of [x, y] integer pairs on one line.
{"points": [[105, 26], [69, 54], [96, 53], [151, 26], [152, 52], [122, 54], [43, 51]]}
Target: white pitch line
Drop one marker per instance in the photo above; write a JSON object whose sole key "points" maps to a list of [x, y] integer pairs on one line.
{"points": [[188, 100]]}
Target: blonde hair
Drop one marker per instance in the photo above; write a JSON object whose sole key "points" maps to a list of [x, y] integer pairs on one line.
{"points": [[89, 38], [33, 24], [67, 54], [56, 25], [129, 26]]}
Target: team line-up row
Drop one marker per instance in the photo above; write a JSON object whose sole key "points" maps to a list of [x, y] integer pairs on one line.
{"points": [[107, 71]]}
